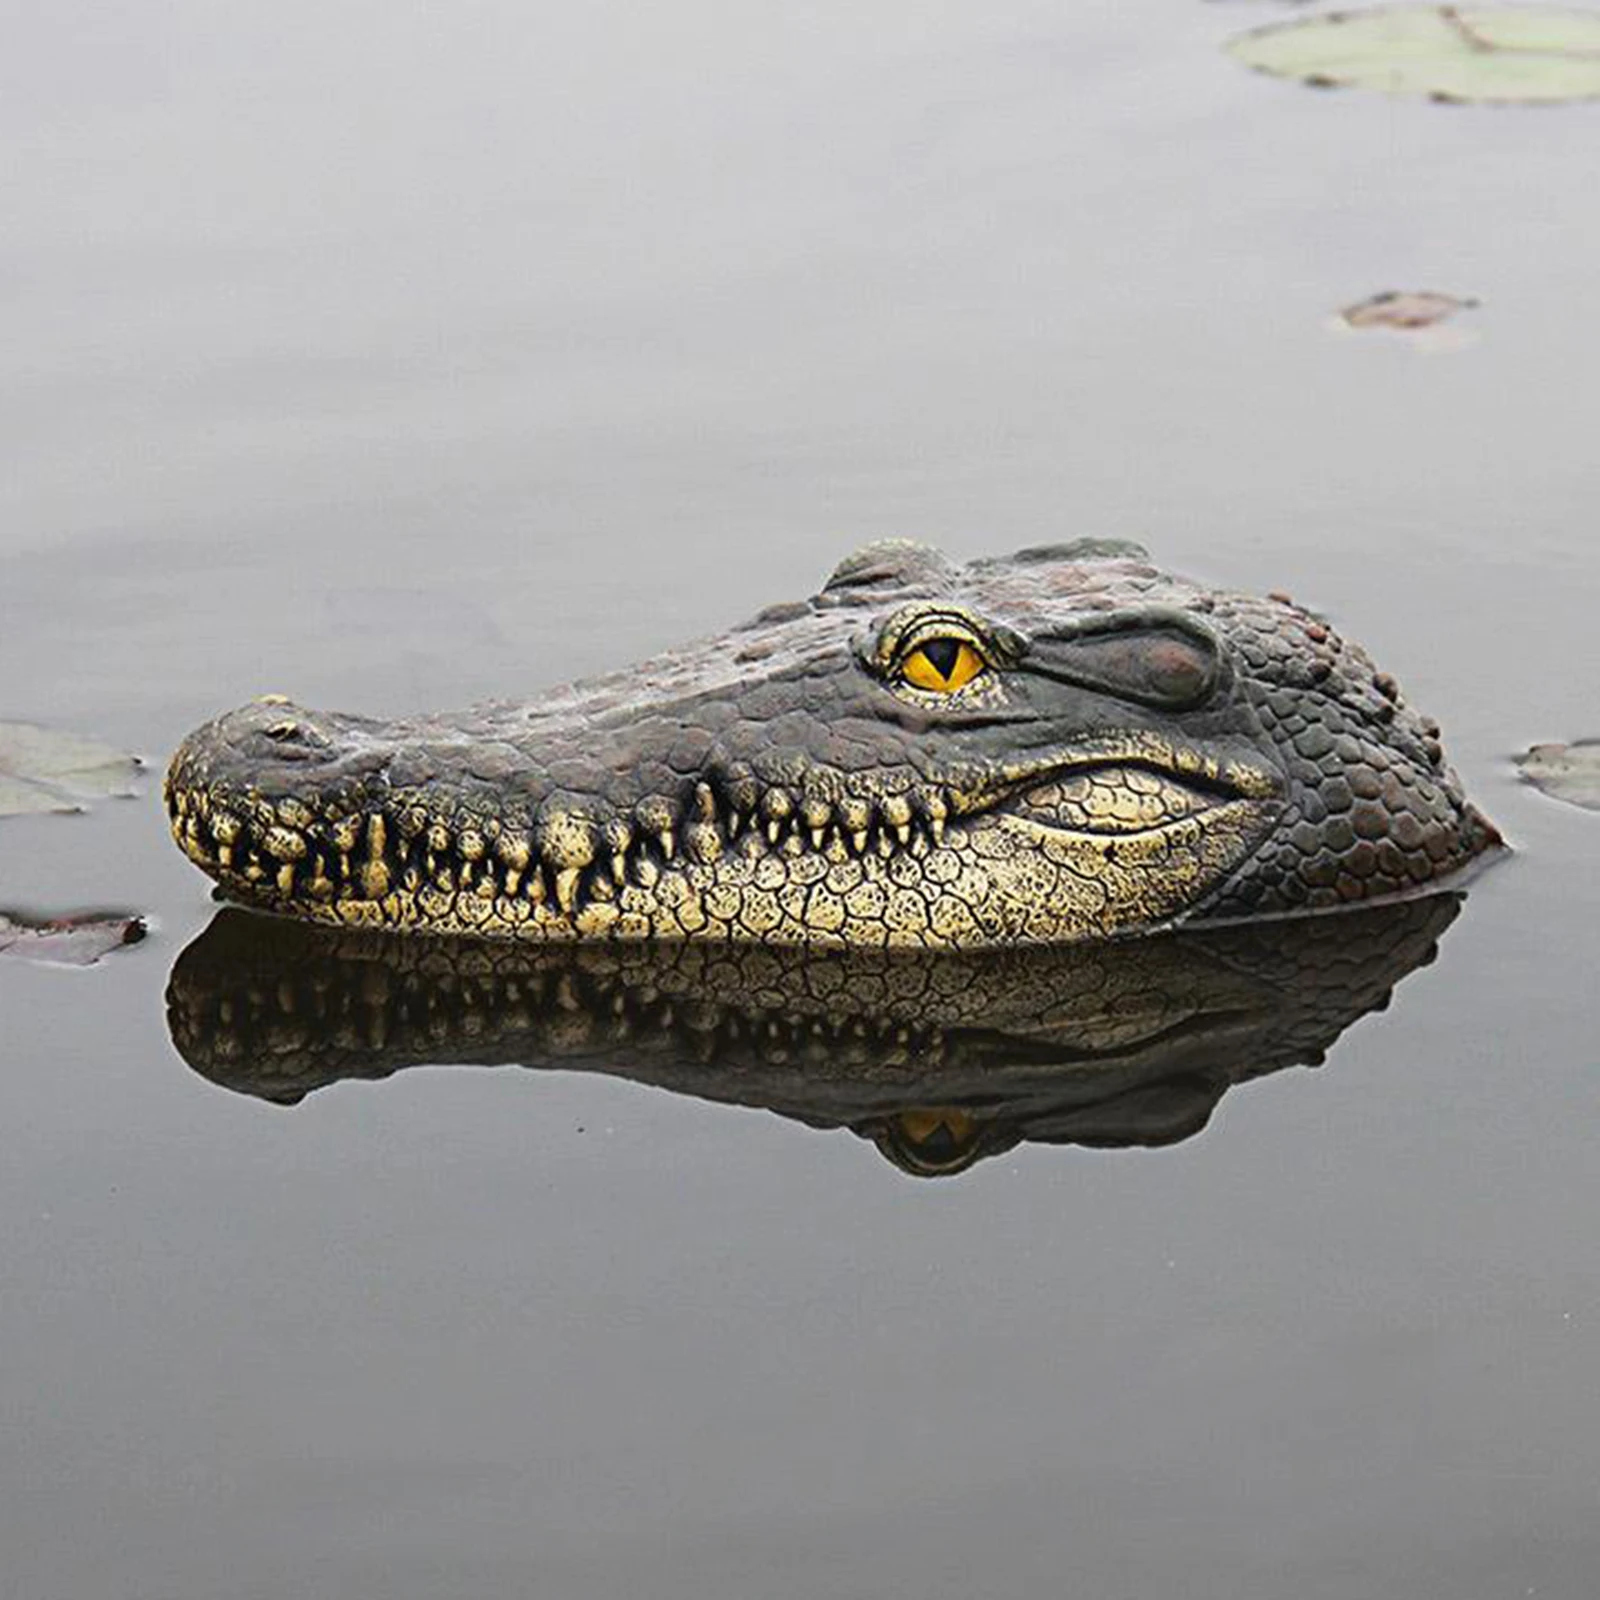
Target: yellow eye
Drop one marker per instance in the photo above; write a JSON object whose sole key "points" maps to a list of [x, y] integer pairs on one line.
{"points": [[942, 665]]}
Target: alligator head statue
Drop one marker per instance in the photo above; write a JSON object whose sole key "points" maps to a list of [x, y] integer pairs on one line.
{"points": [[1061, 744]]}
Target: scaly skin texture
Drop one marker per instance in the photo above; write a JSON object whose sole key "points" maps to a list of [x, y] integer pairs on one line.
{"points": [[1112, 750], [939, 1060]]}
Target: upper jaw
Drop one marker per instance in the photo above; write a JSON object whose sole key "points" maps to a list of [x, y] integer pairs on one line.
{"points": [[298, 809]]}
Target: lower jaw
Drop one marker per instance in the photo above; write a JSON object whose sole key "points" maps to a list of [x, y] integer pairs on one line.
{"points": [[996, 880]]}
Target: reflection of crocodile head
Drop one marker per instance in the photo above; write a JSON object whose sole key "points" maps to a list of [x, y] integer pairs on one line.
{"points": [[940, 1061]]}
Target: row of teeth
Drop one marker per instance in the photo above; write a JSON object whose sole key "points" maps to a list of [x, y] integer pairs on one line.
{"points": [[287, 1016], [564, 860]]}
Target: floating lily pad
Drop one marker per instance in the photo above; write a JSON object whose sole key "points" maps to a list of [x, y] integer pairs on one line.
{"points": [[1494, 54], [77, 941], [1569, 772], [43, 769], [1407, 310]]}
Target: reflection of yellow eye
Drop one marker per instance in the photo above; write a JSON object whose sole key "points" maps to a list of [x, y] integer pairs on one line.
{"points": [[943, 665]]}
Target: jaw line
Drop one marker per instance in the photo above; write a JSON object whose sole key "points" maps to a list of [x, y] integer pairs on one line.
{"points": [[1230, 779]]}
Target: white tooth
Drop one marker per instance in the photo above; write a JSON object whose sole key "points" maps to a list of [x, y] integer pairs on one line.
{"points": [[655, 816], [619, 840], [286, 878], [777, 808], [858, 841], [567, 888], [669, 844]]}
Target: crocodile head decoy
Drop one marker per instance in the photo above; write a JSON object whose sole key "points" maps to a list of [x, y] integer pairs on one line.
{"points": [[1057, 745]]}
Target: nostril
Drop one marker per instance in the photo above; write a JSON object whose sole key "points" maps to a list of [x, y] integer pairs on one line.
{"points": [[282, 738]]}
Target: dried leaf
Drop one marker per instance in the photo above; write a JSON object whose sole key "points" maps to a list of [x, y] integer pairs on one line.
{"points": [[72, 941], [1569, 772], [43, 769], [1406, 310], [1492, 54]]}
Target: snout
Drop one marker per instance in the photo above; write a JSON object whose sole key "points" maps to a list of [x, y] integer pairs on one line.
{"points": [[242, 784], [271, 748]]}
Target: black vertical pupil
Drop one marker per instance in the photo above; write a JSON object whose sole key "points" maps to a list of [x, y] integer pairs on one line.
{"points": [[942, 653]]}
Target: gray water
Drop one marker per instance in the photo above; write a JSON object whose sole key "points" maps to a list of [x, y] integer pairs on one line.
{"points": [[394, 355]]}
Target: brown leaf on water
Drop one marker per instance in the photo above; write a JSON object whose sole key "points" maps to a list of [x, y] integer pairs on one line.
{"points": [[1405, 309], [43, 769], [1569, 772], [71, 941]]}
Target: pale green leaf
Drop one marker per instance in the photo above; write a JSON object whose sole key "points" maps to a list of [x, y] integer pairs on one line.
{"points": [[1494, 54], [1569, 772], [43, 769]]}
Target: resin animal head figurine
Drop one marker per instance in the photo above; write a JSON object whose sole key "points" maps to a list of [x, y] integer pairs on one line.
{"points": [[1061, 744]]}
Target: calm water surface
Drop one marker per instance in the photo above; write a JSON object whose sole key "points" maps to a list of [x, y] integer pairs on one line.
{"points": [[391, 356]]}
